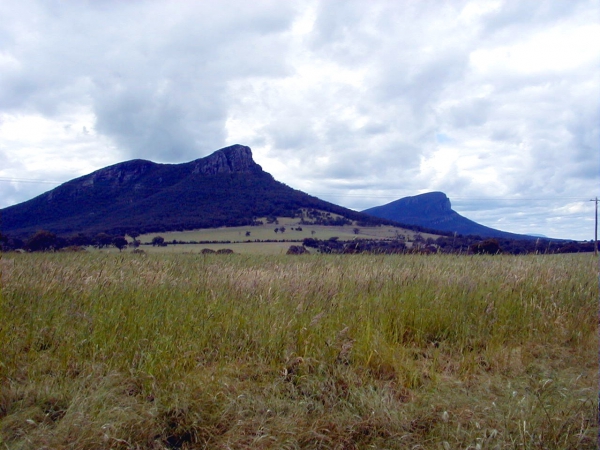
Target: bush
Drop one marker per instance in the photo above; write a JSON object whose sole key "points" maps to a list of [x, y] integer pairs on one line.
{"points": [[487, 247], [158, 241], [296, 250], [120, 242], [73, 248], [42, 241]]}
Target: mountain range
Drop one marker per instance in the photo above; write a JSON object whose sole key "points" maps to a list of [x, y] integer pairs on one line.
{"points": [[226, 188]]}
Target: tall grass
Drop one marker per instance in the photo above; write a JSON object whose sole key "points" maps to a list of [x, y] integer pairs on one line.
{"points": [[200, 351]]}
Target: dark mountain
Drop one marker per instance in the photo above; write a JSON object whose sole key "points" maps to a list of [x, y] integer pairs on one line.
{"points": [[226, 188], [433, 210]]}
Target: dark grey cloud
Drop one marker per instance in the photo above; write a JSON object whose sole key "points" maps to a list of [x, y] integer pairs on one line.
{"points": [[155, 73]]}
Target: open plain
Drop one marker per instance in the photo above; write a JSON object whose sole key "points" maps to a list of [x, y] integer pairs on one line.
{"points": [[167, 351]]}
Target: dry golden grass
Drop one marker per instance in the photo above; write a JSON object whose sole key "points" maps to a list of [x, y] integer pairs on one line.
{"points": [[266, 232], [341, 352]]}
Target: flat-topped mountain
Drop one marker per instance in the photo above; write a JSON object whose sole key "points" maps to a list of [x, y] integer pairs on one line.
{"points": [[226, 188], [433, 210]]}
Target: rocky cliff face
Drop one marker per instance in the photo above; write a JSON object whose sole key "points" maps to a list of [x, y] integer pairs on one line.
{"points": [[432, 202], [138, 173], [233, 159], [431, 207], [119, 173], [237, 158]]}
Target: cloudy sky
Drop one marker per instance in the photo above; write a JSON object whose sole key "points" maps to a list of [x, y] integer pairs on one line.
{"points": [[495, 103]]}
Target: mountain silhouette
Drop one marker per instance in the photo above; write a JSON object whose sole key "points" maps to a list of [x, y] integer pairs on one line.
{"points": [[433, 210], [226, 188]]}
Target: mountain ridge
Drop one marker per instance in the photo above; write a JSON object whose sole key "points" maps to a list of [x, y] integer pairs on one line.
{"points": [[225, 188], [434, 210]]}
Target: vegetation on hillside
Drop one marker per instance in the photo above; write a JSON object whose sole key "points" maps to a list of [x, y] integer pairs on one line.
{"points": [[170, 200]]}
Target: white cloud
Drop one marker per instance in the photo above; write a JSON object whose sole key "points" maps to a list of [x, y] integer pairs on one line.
{"points": [[358, 103], [558, 49]]}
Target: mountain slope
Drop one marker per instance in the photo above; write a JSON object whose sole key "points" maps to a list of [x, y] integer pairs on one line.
{"points": [[226, 188], [433, 210]]}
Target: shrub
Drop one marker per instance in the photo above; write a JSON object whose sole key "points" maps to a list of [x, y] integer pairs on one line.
{"points": [[296, 250], [487, 247]]}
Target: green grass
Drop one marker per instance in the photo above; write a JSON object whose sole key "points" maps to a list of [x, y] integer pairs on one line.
{"points": [[243, 351]]}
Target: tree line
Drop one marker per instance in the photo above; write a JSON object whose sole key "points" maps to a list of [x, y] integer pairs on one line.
{"points": [[44, 240], [452, 245]]}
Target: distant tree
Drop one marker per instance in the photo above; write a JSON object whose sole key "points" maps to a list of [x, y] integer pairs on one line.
{"points": [[103, 240], [158, 241], [42, 241], [247, 233], [13, 243], [487, 247], [80, 240], [310, 242], [120, 242], [571, 247], [134, 234], [3, 241]]}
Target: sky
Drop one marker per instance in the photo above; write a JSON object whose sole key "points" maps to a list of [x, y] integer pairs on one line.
{"points": [[495, 103]]}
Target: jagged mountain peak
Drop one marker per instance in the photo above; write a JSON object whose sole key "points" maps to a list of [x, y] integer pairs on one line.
{"points": [[234, 159]]}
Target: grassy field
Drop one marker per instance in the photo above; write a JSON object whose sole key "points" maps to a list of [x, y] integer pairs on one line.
{"points": [[243, 248], [235, 238], [172, 351], [267, 232]]}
